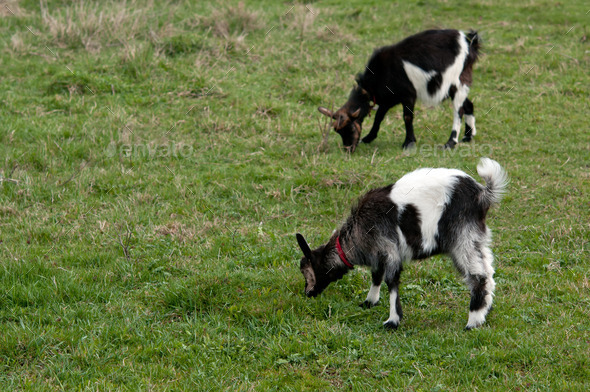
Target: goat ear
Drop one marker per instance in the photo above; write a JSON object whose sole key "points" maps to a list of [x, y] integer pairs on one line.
{"points": [[325, 111], [356, 135], [356, 113], [304, 246]]}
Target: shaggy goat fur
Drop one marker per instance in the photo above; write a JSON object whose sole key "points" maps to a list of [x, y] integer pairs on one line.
{"points": [[426, 212]]}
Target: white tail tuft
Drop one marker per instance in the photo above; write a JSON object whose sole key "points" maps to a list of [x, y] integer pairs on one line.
{"points": [[495, 178]]}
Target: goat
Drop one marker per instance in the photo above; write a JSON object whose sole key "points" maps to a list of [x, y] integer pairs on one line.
{"points": [[430, 66], [426, 212]]}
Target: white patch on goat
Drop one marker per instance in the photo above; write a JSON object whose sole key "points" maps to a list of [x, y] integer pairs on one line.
{"points": [[468, 257], [429, 190], [470, 120], [420, 77], [476, 318], [393, 316], [373, 296], [495, 178], [405, 252], [456, 126], [458, 100], [488, 260]]}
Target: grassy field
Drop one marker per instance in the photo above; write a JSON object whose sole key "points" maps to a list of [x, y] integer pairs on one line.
{"points": [[157, 158]]}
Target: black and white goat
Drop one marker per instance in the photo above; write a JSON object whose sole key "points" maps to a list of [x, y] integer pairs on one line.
{"points": [[426, 212], [430, 66]]}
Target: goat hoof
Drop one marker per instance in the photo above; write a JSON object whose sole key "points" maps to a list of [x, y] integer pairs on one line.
{"points": [[368, 139], [367, 304], [449, 145], [390, 325], [466, 139], [409, 146]]}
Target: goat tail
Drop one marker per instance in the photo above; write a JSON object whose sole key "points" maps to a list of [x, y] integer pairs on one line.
{"points": [[496, 180], [474, 46]]}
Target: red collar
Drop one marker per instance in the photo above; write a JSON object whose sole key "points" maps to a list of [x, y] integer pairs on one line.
{"points": [[341, 254], [372, 106]]}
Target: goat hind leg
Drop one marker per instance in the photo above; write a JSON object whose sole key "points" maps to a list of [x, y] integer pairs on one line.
{"points": [[469, 120], [482, 287]]}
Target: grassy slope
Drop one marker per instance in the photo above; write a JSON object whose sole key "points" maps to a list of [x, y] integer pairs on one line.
{"points": [[164, 155]]}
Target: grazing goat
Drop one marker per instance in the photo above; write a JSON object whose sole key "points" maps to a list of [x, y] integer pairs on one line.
{"points": [[430, 66], [426, 212]]}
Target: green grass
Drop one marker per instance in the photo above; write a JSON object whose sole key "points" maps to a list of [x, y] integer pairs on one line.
{"points": [[156, 159]]}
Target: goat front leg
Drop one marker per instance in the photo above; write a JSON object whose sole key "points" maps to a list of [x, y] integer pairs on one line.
{"points": [[395, 306], [409, 123], [454, 138], [379, 116], [374, 291], [458, 111]]}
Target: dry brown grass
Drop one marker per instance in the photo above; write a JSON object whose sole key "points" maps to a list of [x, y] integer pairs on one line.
{"points": [[10, 8], [94, 26], [17, 43], [301, 18], [180, 232], [134, 26], [325, 132], [227, 20]]}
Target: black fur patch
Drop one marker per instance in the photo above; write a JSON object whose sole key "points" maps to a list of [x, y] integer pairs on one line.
{"points": [[468, 106], [374, 211], [409, 224], [478, 293], [443, 43], [372, 219], [377, 274], [461, 212], [452, 91], [450, 144], [434, 83], [468, 132], [468, 110], [391, 325]]}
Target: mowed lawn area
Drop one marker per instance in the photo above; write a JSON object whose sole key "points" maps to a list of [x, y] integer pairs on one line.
{"points": [[158, 157]]}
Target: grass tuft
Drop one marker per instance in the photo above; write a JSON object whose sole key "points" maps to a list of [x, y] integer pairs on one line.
{"points": [[227, 20]]}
